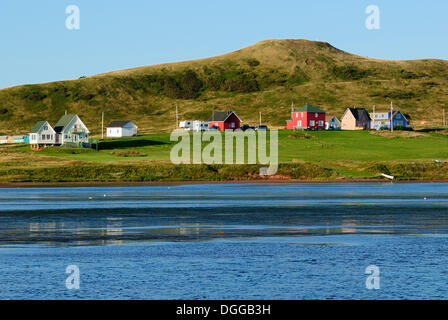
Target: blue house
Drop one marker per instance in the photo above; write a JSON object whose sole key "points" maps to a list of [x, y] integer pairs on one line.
{"points": [[381, 120]]}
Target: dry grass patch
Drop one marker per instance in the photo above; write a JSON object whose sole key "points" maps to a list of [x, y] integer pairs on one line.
{"points": [[399, 134]]}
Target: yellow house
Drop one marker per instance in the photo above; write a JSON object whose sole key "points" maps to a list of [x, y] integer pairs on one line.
{"points": [[355, 119]]}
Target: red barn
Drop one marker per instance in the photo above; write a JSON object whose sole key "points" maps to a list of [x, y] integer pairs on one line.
{"points": [[224, 121], [308, 117]]}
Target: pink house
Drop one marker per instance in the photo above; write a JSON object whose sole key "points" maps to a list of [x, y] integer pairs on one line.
{"points": [[308, 117]]}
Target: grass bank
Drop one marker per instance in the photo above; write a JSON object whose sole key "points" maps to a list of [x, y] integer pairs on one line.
{"points": [[302, 156]]}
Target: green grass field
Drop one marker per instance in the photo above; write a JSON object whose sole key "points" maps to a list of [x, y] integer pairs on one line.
{"points": [[303, 155], [310, 146]]}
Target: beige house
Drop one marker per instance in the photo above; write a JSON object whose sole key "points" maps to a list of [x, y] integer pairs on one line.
{"points": [[355, 119]]}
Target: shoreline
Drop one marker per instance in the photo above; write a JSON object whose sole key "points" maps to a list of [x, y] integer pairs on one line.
{"points": [[83, 184]]}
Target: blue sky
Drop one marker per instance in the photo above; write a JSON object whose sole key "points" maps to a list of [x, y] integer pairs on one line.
{"points": [[37, 46]]}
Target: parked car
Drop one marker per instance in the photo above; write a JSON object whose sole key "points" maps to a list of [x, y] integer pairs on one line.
{"points": [[261, 128], [247, 127]]}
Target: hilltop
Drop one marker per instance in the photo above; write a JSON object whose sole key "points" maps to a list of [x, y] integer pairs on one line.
{"points": [[265, 77]]}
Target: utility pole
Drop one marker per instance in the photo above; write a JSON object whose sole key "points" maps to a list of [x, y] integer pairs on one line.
{"points": [[391, 117], [444, 118], [260, 118], [177, 118], [102, 125], [373, 118]]}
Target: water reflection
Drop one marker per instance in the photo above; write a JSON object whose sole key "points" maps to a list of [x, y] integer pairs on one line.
{"points": [[65, 217]]}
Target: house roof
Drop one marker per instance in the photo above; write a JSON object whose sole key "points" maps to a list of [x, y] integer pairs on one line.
{"points": [[398, 112], [118, 124], [221, 116], [63, 122], [329, 118], [358, 112], [37, 126], [309, 108]]}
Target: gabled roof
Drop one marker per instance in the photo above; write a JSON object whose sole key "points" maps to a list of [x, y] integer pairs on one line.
{"points": [[398, 112], [119, 124], [63, 122], [309, 108], [221, 116], [37, 126], [358, 112], [329, 118]]}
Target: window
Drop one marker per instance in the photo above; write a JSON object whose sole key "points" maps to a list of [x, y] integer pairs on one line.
{"points": [[299, 123], [232, 125], [45, 127], [43, 137], [321, 123], [301, 114], [48, 137], [315, 115], [312, 123]]}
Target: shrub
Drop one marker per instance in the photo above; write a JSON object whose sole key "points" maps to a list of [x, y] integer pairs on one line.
{"points": [[171, 88], [252, 62], [349, 72], [243, 84], [191, 85]]}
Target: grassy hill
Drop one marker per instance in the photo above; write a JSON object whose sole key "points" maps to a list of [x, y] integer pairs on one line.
{"points": [[265, 77]]}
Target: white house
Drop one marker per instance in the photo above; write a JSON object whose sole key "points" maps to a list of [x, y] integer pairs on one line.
{"points": [[381, 120], [332, 123], [71, 130], [118, 129], [42, 134]]}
